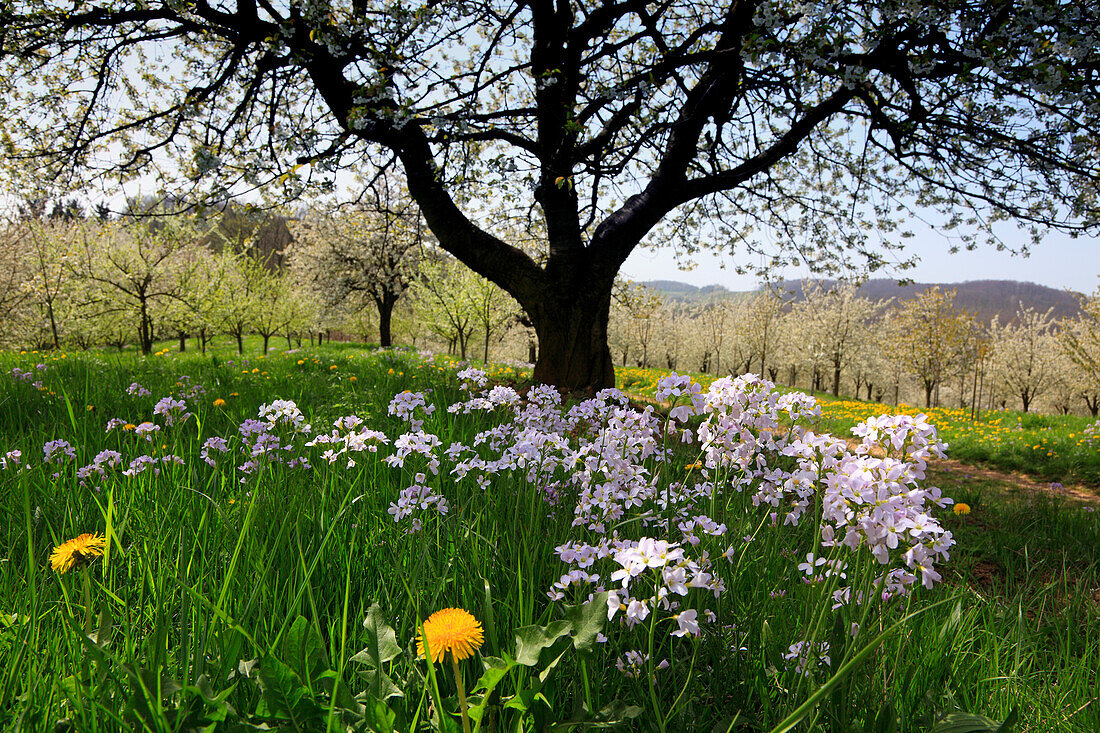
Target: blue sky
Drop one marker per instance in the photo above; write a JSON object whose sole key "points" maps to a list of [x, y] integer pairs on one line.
{"points": [[1059, 262]]}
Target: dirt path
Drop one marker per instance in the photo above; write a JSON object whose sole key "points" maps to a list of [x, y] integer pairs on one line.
{"points": [[1027, 485]]}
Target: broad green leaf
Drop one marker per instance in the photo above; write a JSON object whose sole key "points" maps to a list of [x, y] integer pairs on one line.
{"points": [[495, 670], [531, 640], [304, 651], [284, 694], [379, 685], [587, 621], [379, 716], [380, 639]]}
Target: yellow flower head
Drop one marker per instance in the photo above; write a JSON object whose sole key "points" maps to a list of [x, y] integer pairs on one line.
{"points": [[129, 426], [332, 367], [962, 508], [77, 552], [353, 378], [451, 630], [301, 361], [219, 402]]}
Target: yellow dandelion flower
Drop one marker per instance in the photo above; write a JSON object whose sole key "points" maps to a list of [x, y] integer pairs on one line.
{"points": [[77, 552], [219, 402], [353, 378], [232, 394], [129, 426], [451, 630], [332, 367], [301, 361], [962, 508]]}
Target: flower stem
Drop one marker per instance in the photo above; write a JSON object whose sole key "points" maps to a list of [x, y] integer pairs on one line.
{"points": [[87, 600], [461, 694]]}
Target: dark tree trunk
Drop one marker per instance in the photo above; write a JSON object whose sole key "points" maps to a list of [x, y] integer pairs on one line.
{"points": [[146, 330], [240, 343], [1025, 398], [928, 387], [53, 325], [385, 318], [289, 341], [267, 337], [572, 330], [183, 342], [836, 381]]}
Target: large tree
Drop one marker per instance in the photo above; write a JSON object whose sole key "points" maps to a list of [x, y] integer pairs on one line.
{"points": [[607, 119]]}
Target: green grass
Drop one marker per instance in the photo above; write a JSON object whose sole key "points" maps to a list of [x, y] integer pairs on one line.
{"points": [[221, 605]]}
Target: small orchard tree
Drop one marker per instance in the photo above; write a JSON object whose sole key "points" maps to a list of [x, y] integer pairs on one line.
{"points": [[456, 303], [235, 306], [136, 269], [634, 321], [1025, 352], [834, 326], [1079, 338], [927, 337], [50, 245], [673, 328], [762, 330], [371, 250]]}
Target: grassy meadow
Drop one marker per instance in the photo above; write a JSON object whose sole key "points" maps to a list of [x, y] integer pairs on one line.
{"points": [[249, 581]]}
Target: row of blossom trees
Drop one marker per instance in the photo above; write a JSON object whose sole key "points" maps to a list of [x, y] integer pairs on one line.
{"points": [[373, 269], [70, 281], [830, 339]]}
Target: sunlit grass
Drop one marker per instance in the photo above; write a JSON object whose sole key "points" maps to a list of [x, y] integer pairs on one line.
{"points": [[205, 579]]}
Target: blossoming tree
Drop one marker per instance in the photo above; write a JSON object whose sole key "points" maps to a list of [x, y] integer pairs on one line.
{"points": [[821, 122]]}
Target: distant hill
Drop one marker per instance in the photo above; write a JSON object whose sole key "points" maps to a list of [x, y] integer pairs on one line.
{"points": [[982, 298]]}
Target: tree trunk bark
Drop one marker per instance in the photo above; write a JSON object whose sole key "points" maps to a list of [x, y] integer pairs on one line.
{"points": [[385, 320], [53, 325], [240, 343], [146, 328], [836, 381], [183, 342], [572, 330], [267, 337]]}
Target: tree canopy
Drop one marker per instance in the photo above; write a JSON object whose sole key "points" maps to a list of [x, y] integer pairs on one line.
{"points": [[819, 124]]}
